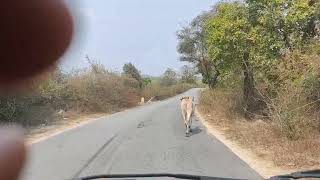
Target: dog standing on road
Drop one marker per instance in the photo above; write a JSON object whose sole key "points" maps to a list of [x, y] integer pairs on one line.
{"points": [[187, 109]]}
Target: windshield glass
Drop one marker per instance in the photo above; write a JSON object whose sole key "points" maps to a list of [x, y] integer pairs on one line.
{"points": [[95, 89]]}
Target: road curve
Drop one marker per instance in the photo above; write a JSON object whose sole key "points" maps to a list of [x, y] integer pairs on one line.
{"points": [[146, 139]]}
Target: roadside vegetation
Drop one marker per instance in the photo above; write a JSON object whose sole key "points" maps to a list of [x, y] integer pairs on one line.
{"points": [[260, 60], [93, 90]]}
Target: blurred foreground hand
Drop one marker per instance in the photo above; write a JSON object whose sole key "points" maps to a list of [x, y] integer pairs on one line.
{"points": [[34, 35], [12, 153]]}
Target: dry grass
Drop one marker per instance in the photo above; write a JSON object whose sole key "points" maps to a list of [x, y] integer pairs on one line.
{"points": [[87, 99], [101, 92], [162, 92], [262, 137], [85, 91]]}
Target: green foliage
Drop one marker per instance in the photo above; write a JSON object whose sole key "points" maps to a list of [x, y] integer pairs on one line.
{"points": [[169, 78], [228, 36], [267, 30], [192, 47], [130, 70], [272, 47], [147, 81], [7, 108]]}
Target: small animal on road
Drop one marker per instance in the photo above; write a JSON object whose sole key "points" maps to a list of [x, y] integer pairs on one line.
{"points": [[141, 101], [187, 109]]}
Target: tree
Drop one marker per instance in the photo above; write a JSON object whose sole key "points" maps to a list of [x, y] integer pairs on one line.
{"points": [[278, 28], [147, 81], [188, 74], [130, 70], [169, 78], [293, 23], [193, 48], [255, 35], [229, 41]]}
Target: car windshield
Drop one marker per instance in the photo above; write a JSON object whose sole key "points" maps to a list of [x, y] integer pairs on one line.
{"points": [[161, 89]]}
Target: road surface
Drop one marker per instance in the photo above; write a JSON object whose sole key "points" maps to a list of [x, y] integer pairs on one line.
{"points": [[146, 139]]}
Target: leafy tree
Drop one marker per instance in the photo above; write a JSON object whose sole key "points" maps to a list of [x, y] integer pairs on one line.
{"points": [[288, 23], [256, 35], [169, 78], [188, 74], [253, 37], [193, 48], [278, 28], [229, 41], [147, 81], [130, 70]]}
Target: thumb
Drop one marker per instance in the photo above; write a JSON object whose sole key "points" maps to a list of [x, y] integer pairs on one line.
{"points": [[12, 153]]}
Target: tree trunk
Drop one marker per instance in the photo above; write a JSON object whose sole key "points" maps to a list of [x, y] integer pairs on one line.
{"points": [[207, 70], [214, 80], [248, 86]]}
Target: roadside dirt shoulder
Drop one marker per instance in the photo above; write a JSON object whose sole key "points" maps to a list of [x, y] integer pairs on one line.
{"points": [[41, 133], [264, 167], [260, 142]]}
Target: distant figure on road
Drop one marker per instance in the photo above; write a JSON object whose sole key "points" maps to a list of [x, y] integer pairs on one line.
{"points": [[142, 101], [187, 109]]}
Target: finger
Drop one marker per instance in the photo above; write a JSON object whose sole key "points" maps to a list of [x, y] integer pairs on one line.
{"points": [[34, 35], [12, 153]]}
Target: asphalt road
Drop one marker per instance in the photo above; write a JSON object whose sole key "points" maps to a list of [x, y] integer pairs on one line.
{"points": [[147, 139]]}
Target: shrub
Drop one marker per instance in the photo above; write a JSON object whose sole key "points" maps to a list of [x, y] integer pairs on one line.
{"points": [[101, 92], [89, 90], [293, 97], [162, 92]]}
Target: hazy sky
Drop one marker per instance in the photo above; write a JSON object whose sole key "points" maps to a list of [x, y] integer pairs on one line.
{"points": [[143, 32]]}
